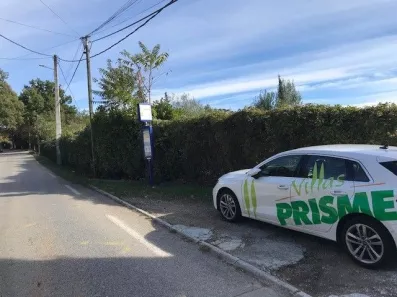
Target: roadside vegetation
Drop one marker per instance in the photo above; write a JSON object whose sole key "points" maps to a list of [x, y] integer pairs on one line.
{"points": [[194, 143]]}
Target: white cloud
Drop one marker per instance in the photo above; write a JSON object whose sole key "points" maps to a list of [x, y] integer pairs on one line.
{"points": [[347, 65]]}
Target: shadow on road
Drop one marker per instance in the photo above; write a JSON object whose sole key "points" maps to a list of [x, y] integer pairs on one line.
{"points": [[21, 175]]}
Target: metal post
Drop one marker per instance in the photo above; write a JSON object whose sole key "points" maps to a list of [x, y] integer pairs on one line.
{"points": [[87, 54], [151, 159], [58, 128]]}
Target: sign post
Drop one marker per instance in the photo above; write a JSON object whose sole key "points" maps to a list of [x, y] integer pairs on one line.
{"points": [[145, 116]]}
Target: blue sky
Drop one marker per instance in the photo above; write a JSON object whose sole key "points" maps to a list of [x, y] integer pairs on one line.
{"points": [[223, 52]]}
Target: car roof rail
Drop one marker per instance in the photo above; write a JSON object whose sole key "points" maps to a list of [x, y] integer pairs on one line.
{"points": [[384, 147]]}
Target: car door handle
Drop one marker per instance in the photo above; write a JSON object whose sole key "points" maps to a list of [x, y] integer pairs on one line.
{"points": [[283, 187], [338, 193]]}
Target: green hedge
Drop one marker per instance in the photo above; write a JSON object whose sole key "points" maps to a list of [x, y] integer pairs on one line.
{"points": [[202, 149]]}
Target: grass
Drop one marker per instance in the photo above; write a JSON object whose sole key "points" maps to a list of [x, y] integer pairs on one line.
{"points": [[126, 189], [64, 172], [166, 192]]}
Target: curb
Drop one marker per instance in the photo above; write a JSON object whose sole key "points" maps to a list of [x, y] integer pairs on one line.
{"points": [[232, 260]]}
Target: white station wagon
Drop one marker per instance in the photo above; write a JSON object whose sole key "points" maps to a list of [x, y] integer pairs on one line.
{"points": [[345, 193]]}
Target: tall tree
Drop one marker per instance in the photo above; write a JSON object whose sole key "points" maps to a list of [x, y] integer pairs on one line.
{"points": [[11, 110], [147, 62], [287, 94], [117, 86], [39, 101]]}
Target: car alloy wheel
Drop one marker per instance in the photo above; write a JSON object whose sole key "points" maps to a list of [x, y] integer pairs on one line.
{"points": [[364, 243], [227, 206]]}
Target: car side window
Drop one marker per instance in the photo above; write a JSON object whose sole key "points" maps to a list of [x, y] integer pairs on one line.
{"points": [[357, 172], [283, 166], [324, 167]]}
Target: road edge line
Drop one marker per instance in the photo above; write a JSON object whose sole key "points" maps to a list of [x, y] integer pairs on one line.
{"points": [[229, 258]]}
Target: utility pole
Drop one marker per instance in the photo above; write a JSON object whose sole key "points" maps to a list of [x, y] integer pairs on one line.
{"points": [[87, 55], [58, 128]]}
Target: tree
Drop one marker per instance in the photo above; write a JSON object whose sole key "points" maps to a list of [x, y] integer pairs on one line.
{"points": [[146, 63], [287, 95], [11, 109], [38, 99], [187, 106], [163, 108], [117, 86], [266, 100]]}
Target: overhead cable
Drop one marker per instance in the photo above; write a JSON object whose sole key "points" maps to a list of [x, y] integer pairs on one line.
{"points": [[139, 27], [23, 56], [122, 9], [66, 81], [126, 27], [74, 57], [60, 18], [143, 11], [34, 27], [24, 47], [74, 73], [24, 59]]}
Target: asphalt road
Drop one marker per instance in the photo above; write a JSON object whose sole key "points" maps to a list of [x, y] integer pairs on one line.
{"points": [[59, 239]]}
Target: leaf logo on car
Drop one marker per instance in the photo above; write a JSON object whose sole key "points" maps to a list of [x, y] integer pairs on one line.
{"points": [[249, 197]]}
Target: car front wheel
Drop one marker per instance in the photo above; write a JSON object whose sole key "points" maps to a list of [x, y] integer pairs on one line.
{"points": [[368, 242], [228, 206]]}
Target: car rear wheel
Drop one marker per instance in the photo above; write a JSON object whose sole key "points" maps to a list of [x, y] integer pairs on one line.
{"points": [[228, 206], [368, 242]]}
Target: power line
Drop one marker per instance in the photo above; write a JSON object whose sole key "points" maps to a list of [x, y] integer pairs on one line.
{"points": [[74, 73], [122, 22], [22, 59], [34, 27], [66, 81], [44, 50], [126, 27], [74, 57], [122, 9], [144, 24], [60, 18], [24, 47]]}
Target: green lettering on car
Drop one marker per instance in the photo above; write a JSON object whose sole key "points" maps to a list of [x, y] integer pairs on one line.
{"points": [[331, 215], [360, 205], [383, 208], [380, 205], [315, 211], [300, 212], [284, 212]]}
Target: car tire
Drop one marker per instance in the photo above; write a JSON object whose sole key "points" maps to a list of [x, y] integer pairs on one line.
{"points": [[228, 206], [368, 242]]}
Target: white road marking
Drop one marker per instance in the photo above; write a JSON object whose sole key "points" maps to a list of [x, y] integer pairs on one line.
{"points": [[51, 174], [159, 252], [73, 190]]}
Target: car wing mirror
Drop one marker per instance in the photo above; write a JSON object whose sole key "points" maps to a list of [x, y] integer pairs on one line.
{"points": [[254, 172]]}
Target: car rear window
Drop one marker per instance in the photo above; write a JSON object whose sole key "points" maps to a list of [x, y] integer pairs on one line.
{"points": [[391, 166]]}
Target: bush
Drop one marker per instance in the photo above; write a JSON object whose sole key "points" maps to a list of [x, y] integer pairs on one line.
{"points": [[202, 149]]}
